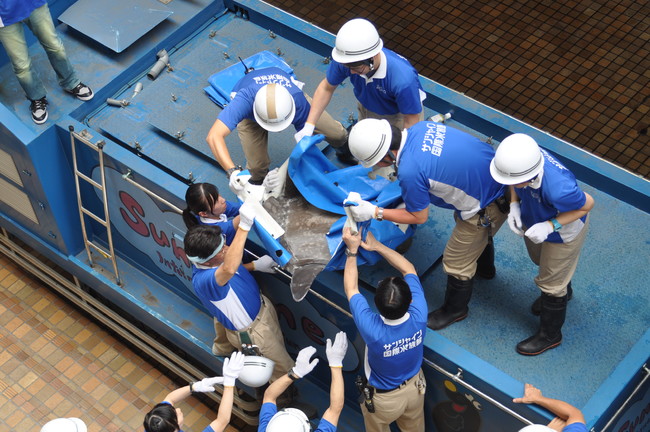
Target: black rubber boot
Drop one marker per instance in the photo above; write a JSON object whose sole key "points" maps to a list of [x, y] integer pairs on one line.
{"points": [[455, 307], [485, 264], [536, 307], [551, 320]]}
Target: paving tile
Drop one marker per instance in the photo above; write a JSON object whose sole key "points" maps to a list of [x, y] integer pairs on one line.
{"points": [[57, 363], [598, 47]]}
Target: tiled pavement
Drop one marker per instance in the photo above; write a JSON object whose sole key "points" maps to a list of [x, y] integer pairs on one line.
{"points": [[579, 70], [56, 362]]}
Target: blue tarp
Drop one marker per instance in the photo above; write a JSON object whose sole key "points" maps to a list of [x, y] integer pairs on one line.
{"points": [[325, 186], [222, 82]]}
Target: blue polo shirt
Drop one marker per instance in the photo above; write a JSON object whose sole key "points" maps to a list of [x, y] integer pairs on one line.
{"points": [[575, 427], [235, 304], [559, 192], [13, 11], [241, 106], [394, 350], [395, 90], [446, 167], [226, 224]]}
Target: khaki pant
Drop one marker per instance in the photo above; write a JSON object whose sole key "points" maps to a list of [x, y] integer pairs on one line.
{"points": [[266, 334], [467, 242], [255, 139], [557, 262], [396, 120], [404, 405]]}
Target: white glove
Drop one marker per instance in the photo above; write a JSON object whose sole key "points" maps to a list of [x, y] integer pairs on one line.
{"points": [[336, 351], [234, 183], [206, 385], [303, 365], [232, 367], [271, 181], [307, 130], [363, 211], [514, 219], [265, 264], [246, 216], [539, 232]]}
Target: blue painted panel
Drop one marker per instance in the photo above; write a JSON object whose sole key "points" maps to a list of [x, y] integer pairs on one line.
{"points": [[115, 24]]}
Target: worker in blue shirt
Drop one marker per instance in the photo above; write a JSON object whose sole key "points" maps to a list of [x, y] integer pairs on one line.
{"points": [[294, 419], [35, 14], [394, 338], [265, 100], [166, 417], [443, 166], [230, 293], [550, 211], [385, 84]]}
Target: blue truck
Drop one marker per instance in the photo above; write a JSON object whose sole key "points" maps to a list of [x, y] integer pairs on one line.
{"points": [[90, 202]]}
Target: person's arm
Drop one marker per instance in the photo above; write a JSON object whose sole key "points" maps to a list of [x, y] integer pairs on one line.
{"points": [[402, 215], [351, 273], [216, 139], [178, 395], [235, 252], [302, 367], [233, 258], [276, 388], [231, 369], [335, 354], [225, 410], [321, 99], [393, 257], [411, 119], [563, 410], [573, 215]]}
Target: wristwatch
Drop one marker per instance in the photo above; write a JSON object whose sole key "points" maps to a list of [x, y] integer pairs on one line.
{"points": [[556, 225], [349, 253], [291, 374], [380, 214], [233, 169]]}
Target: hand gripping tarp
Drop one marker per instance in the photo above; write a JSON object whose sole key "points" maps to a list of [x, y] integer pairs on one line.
{"points": [[326, 187], [222, 82]]}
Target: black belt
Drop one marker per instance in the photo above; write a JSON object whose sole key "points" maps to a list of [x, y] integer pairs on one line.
{"points": [[378, 390]]}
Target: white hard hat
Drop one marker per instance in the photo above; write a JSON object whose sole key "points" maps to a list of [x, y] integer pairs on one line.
{"points": [[256, 371], [274, 107], [517, 160], [369, 141], [536, 428], [289, 420], [357, 40], [71, 424]]}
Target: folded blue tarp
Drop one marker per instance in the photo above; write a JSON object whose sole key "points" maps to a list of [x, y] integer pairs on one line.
{"points": [[222, 82]]}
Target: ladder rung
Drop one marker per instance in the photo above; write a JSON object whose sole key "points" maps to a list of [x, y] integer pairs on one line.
{"points": [[89, 180], [100, 250], [94, 216]]}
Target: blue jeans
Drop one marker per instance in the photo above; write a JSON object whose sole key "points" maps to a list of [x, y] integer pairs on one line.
{"points": [[13, 39]]}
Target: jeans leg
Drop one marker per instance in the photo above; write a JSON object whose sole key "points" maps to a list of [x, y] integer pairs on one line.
{"points": [[40, 22], [13, 39]]}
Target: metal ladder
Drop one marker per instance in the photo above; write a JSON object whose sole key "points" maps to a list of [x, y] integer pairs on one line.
{"points": [[106, 223]]}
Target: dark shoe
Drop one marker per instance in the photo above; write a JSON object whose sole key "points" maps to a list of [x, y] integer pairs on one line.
{"points": [[344, 156], [536, 307], [485, 264], [82, 92], [39, 110], [454, 308], [551, 320]]}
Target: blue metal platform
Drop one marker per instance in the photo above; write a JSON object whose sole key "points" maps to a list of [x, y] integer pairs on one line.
{"points": [[606, 336]]}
